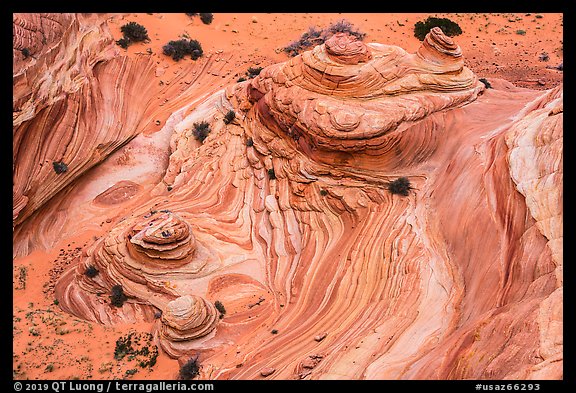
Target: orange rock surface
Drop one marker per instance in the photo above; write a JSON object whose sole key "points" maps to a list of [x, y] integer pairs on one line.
{"points": [[285, 215]]}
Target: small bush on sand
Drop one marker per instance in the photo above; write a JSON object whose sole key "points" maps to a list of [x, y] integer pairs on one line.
{"points": [[134, 32], [179, 48], [449, 27], [206, 18], [315, 36]]}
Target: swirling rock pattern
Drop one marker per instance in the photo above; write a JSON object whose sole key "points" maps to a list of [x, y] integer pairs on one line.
{"points": [[73, 74], [284, 216], [185, 319], [309, 96], [151, 257]]}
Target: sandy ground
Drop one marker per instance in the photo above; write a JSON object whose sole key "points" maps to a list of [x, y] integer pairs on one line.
{"points": [[47, 341]]}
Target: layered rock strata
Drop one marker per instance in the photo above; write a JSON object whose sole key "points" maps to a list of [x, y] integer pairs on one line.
{"points": [[284, 215]]}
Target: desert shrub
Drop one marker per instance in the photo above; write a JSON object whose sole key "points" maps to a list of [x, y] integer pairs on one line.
{"points": [[190, 369], [229, 117], [253, 71], [220, 307], [271, 174], [241, 79], [486, 83], [449, 27], [249, 142], [180, 48], [25, 52], [201, 130], [123, 42], [343, 26], [117, 297], [400, 186], [315, 36], [544, 56], [206, 18], [192, 14], [59, 167], [91, 271], [323, 192], [134, 32], [521, 32], [310, 38]]}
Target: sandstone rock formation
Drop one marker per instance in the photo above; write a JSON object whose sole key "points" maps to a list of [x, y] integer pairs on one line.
{"points": [[284, 216]]}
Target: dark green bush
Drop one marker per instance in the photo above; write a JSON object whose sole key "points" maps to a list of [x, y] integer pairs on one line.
{"points": [[249, 142], [229, 117], [201, 130], [190, 369], [134, 32], [206, 18], [123, 42], [449, 27], [180, 48], [59, 167], [91, 271], [117, 298], [253, 71], [400, 186], [486, 83], [220, 307], [271, 174]]}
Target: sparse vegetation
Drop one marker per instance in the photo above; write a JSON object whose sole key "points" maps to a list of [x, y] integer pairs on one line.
{"points": [[249, 142], [271, 174], [274, 331], [253, 72], [206, 17], [201, 130], [134, 32], [521, 32], [123, 42], [449, 27], [220, 307], [315, 36], [22, 274], [180, 48], [486, 83], [91, 271], [343, 26], [229, 117], [117, 297], [544, 56], [59, 167], [190, 369], [26, 52], [250, 73], [400, 186], [138, 347], [323, 192]]}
